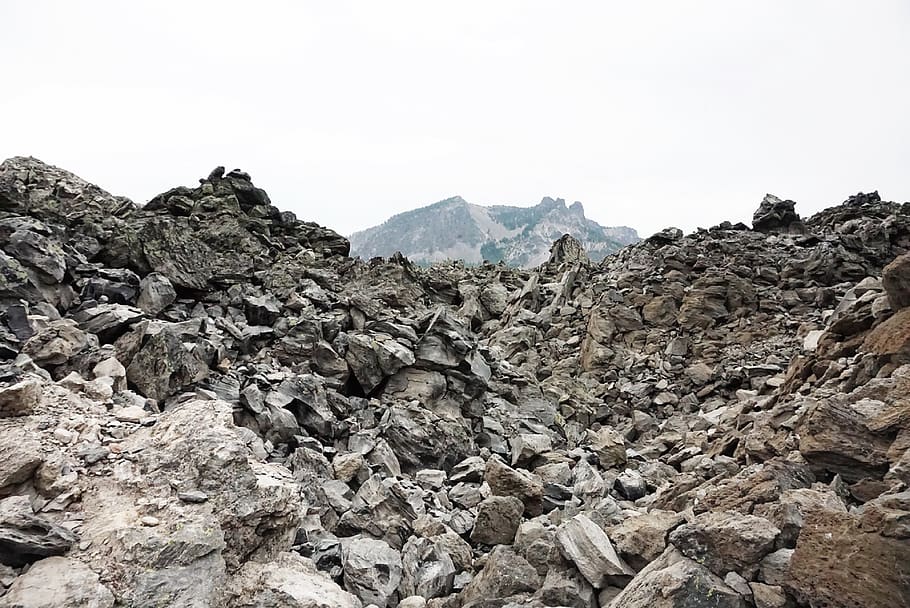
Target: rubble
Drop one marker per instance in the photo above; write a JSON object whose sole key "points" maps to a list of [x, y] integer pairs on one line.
{"points": [[205, 402]]}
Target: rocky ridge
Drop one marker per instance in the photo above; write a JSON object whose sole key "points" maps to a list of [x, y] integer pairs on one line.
{"points": [[205, 402], [454, 229]]}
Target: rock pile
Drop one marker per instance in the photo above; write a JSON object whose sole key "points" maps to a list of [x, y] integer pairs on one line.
{"points": [[205, 402]]}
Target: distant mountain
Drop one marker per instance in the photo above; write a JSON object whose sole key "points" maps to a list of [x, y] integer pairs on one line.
{"points": [[519, 236]]}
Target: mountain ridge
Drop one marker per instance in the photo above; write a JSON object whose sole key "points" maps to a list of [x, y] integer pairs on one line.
{"points": [[453, 228]]}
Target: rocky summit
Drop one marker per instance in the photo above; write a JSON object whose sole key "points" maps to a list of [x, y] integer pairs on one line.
{"points": [[454, 229], [204, 401]]}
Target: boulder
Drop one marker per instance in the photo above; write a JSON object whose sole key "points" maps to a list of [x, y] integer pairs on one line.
{"points": [[19, 398], [498, 518], [675, 581], [372, 570], [725, 541], [775, 215], [58, 582], [586, 544], [290, 581], [427, 568], [896, 281], [26, 537], [834, 551]]}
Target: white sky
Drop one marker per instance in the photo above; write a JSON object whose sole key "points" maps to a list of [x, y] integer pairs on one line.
{"points": [[650, 113]]}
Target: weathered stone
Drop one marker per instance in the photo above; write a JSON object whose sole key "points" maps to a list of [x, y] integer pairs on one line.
{"points": [[896, 281], [428, 569], [834, 552], [20, 398], [725, 541], [498, 518], [58, 582], [675, 581], [589, 548], [642, 538], [26, 537], [505, 574], [506, 481], [288, 582], [372, 570]]}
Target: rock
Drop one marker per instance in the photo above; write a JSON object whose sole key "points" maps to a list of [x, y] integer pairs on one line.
{"points": [[506, 481], [498, 518], [769, 596], [164, 365], [775, 566], [567, 250], [56, 343], [833, 552], [372, 570], [58, 582], [107, 321], [775, 215], [674, 581], [642, 538], [26, 537], [527, 446], [725, 541], [19, 399], [505, 574], [288, 582], [566, 588], [414, 601], [631, 485], [896, 281], [609, 447], [428, 569], [589, 548]]}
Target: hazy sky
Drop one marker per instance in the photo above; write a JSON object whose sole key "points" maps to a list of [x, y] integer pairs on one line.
{"points": [[651, 113]]}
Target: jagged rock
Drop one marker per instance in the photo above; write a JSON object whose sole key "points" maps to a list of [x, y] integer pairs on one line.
{"points": [[642, 538], [505, 574], [775, 215], [506, 481], [675, 581], [497, 520], [26, 537], [428, 569], [567, 250], [20, 455], [155, 293], [896, 281], [589, 548], [20, 398], [566, 588], [58, 582], [725, 541], [372, 570], [609, 447], [56, 343], [422, 439], [289, 582], [164, 365]]}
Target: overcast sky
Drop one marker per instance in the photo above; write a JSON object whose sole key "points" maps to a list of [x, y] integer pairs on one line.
{"points": [[650, 113]]}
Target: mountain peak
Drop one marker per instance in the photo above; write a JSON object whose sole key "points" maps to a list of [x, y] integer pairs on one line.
{"points": [[519, 236]]}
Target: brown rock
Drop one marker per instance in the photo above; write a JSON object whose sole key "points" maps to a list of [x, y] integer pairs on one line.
{"points": [[506, 481], [19, 399], [839, 565], [896, 281], [497, 520], [641, 539]]}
